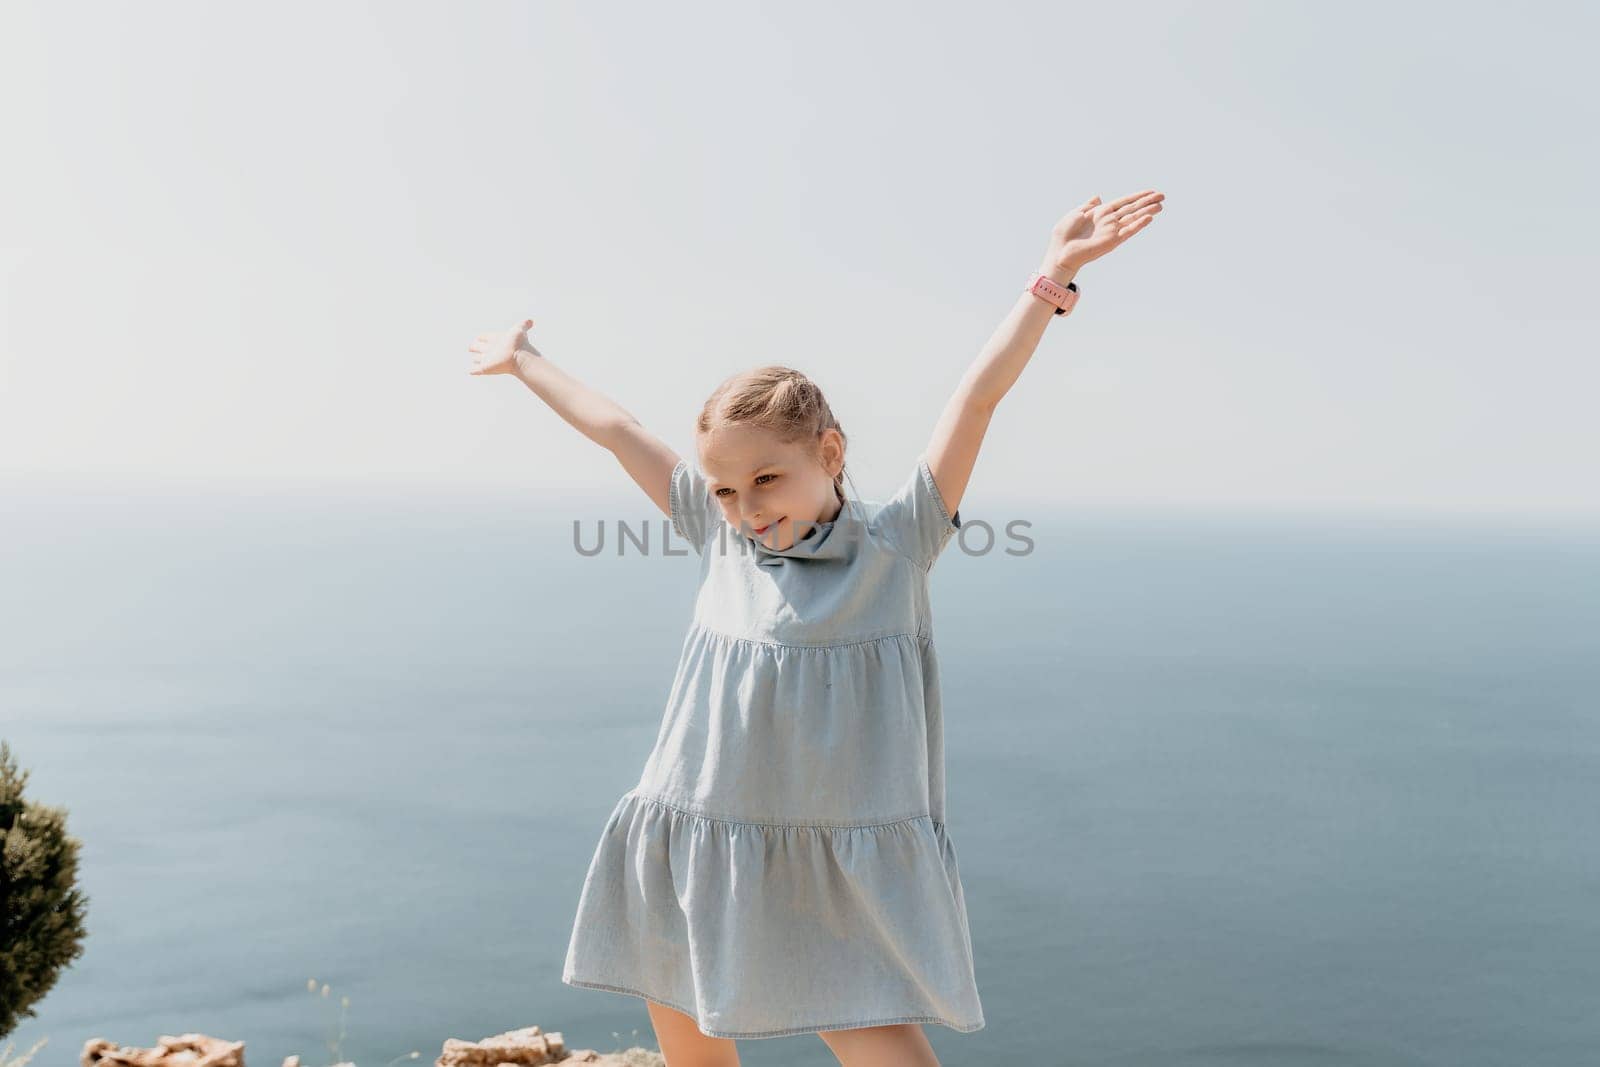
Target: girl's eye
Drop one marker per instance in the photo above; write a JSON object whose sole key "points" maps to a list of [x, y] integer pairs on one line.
{"points": [[759, 481]]}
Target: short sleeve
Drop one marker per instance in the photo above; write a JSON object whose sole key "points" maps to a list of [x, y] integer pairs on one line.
{"points": [[691, 503], [915, 520]]}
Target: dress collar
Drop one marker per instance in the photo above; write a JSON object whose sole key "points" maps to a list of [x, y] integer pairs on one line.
{"points": [[838, 538]]}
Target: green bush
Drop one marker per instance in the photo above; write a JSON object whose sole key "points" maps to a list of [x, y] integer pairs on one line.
{"points": [[41, 908]]}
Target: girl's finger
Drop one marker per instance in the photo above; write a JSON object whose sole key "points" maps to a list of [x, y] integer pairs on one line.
{"points": [[1128, 203], [1117, 205], [1149, 199], [1127, 215]]}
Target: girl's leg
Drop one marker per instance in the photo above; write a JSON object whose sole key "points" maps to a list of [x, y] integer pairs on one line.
{"points": [[682, 1043], [901, 1045]]}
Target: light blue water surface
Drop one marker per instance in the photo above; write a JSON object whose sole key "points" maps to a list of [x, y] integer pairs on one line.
{"points": [[1225, 789]]}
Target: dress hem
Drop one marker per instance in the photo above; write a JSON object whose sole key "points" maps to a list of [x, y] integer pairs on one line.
{"points": [[962, 1028]]}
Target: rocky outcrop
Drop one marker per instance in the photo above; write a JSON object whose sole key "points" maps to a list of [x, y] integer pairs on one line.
{"points": [[528, 1047], [518, 1048], [186, 1050]]}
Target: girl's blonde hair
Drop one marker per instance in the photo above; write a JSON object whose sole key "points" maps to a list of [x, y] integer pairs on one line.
{"points": [[776, 398]]}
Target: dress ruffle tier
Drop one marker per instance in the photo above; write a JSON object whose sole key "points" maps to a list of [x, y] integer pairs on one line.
{"points": [[764, 929]]}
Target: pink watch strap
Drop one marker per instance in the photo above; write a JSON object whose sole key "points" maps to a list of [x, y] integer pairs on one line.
{"points": [[1046, 288]]}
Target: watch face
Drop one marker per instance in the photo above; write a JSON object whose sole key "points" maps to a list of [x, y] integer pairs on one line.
{"points": [[1049, 290]]}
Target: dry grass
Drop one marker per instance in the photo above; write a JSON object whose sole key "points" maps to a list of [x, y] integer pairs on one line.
{"points": [[8, 1060]]}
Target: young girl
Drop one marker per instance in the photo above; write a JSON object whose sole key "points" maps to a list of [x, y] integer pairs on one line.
{"points": [[783, 865]]}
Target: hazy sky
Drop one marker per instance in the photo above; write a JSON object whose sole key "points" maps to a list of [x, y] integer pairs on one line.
{"points": [[248, 244]]}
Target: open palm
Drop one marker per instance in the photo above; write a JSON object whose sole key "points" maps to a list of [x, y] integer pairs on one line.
{"points": [[1094, 229], [495, 353]]}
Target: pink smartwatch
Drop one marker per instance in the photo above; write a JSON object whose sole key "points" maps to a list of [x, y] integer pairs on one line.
{"points": [[1046, 288]]}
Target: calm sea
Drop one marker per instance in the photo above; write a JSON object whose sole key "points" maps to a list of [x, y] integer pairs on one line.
{"points": [[1225, 790]]}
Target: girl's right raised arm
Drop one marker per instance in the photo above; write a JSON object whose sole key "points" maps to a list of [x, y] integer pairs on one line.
{"points": [[646, 458]]}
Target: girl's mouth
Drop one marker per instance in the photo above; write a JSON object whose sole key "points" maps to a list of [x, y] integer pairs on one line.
{"points": [[768, 526]]}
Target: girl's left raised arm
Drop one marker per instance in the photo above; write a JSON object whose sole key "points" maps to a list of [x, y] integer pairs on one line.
{"points": [[1079, 237]]}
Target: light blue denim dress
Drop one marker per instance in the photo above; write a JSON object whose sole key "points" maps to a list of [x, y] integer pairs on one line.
{"points": [[783, 865]]}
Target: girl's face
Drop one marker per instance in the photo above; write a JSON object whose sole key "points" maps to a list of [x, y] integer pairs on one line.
{"points": [[770, 485]]}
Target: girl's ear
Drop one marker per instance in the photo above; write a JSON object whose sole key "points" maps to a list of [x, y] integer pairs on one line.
{"points": [[833, 445]]}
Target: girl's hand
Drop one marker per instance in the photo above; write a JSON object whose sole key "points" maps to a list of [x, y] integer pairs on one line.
{"points": [[1094, 229], [496, 353]]}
